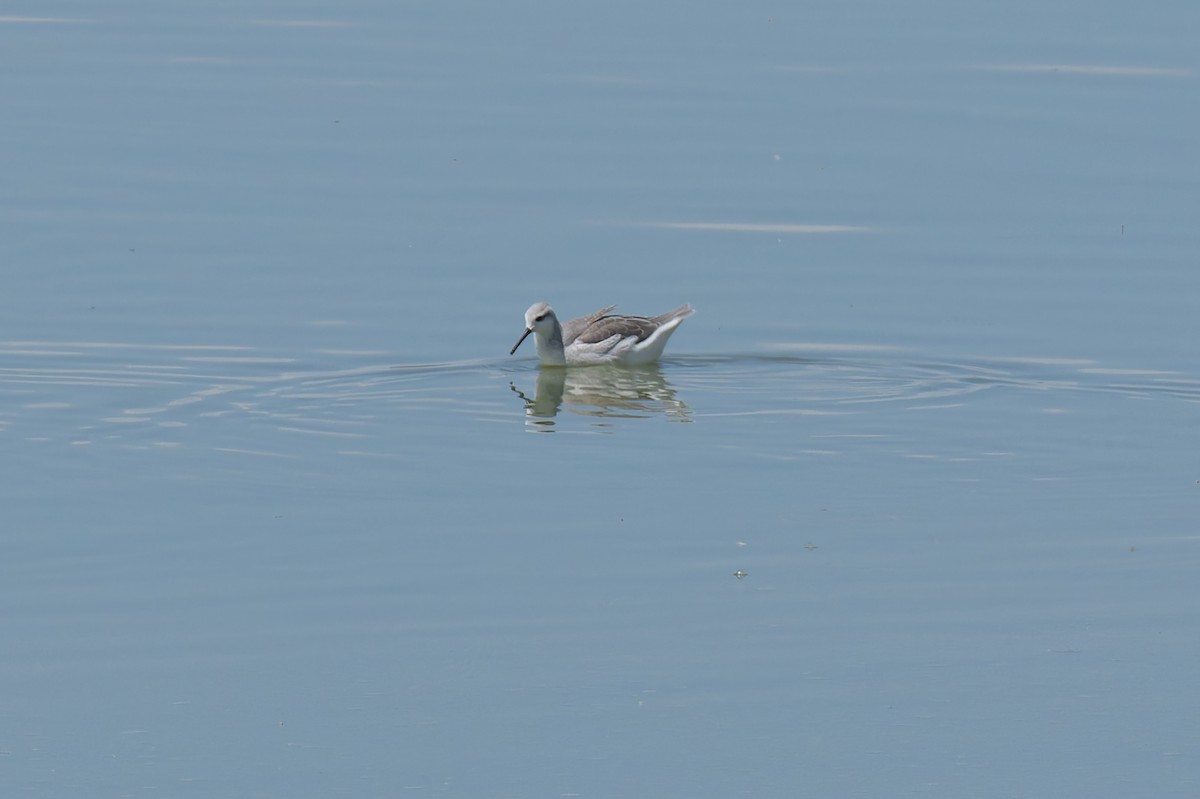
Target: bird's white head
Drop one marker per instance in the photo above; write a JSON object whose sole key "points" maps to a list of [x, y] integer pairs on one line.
{"points": [[539, 319], [538, 316]]}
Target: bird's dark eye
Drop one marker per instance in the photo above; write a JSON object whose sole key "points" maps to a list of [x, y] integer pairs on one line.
{"points": [[539, 318]]}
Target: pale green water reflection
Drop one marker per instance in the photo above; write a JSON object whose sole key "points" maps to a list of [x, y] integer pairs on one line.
{"points": [[609, 392]]}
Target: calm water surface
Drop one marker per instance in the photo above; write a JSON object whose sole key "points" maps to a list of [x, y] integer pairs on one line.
{"points": [[283, 519]]}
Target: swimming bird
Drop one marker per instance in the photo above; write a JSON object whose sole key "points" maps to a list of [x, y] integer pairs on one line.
{"points": [[599, 337]]}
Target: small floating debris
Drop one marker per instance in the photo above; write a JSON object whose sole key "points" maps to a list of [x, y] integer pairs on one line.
{"points": [[739, 574]]}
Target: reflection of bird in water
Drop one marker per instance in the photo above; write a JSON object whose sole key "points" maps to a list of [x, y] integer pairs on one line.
{"points": [[611, 392], [598, 338]]}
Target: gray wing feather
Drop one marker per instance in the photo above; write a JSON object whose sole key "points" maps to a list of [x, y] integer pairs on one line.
{"points": [[683, 311], [573, 328], [597, 327], [624, 326]]}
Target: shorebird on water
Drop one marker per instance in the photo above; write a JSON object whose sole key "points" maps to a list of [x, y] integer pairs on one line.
{"points": [[599, 337]]}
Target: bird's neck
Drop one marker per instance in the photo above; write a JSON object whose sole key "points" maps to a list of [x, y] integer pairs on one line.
{"points": [[550, 347]]}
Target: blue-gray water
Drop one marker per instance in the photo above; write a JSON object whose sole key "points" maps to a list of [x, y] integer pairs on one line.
{"points": [[282, 518]]}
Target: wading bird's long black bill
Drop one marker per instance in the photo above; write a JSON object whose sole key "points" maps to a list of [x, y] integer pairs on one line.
{"points": [[528, 330]]}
